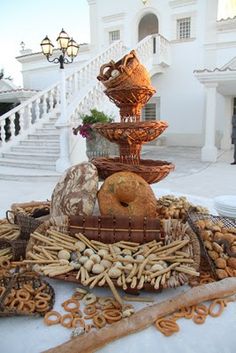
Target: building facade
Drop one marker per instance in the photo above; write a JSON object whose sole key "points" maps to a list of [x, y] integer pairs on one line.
{"points": [[195, 81]]}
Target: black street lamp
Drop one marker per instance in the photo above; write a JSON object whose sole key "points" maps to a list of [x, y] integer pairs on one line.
{"points": [[66, 44]]}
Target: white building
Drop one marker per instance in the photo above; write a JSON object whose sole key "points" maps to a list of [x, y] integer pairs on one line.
{"points": [[190, 55]]}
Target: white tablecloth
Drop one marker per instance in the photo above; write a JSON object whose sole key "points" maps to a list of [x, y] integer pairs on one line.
{"points": [[30, 335]]}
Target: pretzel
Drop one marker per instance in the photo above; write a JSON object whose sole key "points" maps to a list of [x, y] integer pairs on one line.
{"points": [[29, 306], [90, 309], [78, 320], [22, 294], [201, 309], [71, 305], [199, 319], [167, 326], [216, 302], [49, 321], [99, 320], [67, 320], [42, 295], [112, 315]]}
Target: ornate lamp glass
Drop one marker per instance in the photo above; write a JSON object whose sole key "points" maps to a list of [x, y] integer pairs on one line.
{"points": [[47, 46], [63, 40], [72, 48]]}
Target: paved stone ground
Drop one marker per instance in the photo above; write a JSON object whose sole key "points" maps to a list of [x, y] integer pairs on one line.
{"points": [[191, 177]]}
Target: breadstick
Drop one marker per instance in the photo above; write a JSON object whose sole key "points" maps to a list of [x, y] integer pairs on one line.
{"points": [[113, 289], [61, 271], [134, 282], [145, 317], [99, 244], [138, 299], [167, 269], [86, 241], [78, 274], [41, 238], [97, 278], [170, 251], [182, 253], [62, 236], [112, 251], [142, 266], [157, 283], [132, 273], [187, 270], [141, 282], [124, 286]]}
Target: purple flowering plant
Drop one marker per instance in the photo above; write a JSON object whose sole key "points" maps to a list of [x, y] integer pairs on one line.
{"points": [[85, 129]]}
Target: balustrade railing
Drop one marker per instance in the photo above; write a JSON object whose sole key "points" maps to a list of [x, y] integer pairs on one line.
{"points": [[20, 119]]}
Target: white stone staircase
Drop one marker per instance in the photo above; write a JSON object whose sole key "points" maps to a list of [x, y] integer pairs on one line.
{"points": [[33, 152]]}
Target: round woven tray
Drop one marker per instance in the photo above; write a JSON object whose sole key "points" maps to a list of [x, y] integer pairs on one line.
{"points": [[130, 100], [172, 230], [131, 133], [150, 170]]}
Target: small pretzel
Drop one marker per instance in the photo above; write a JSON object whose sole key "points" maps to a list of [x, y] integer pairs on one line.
{"points": [[29, 306], [199, 319], [216, 302], [201, 309], [167, 326], [17, 304], [42, 295], [112, 315], [77, 321], [71, 305], [90, 309], [89, 299], [29, 288], [41, 305], [47, 318], [99, 320], [67, 320], [23, 295]]}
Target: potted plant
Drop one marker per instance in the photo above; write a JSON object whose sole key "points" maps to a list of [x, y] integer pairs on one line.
{"points": [[96, 145]]}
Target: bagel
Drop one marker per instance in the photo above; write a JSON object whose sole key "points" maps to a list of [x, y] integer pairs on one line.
{"points": [[126, 194]]}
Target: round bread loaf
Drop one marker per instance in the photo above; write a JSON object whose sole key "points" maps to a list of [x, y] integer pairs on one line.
{"points": [[126, 194], [76, 191]]}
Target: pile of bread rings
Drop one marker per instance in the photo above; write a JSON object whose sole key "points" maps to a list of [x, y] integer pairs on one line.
{"points": [[97, 312], [198, 313], [27, 299]]}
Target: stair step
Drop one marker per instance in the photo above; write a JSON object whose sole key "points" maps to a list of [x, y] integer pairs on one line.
{"points": [[49, 125], [47, 131], [40, 142], [31, 156], [22, 174], [20, 163], [33, 148], [43, 136]]}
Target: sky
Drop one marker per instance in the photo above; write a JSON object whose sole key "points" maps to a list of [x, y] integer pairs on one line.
{"points": [[31, 20]]}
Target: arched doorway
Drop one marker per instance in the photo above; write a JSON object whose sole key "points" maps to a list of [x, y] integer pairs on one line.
{"points": [[147, 25]]}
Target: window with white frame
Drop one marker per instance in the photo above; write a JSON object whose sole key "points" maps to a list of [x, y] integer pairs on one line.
{"points": [[151, 111], [114, 35], [184, 28]]}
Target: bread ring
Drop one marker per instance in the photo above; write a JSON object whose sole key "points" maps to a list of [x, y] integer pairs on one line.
{"points": [[125, 194], [23, 295], [89, 299], [71, 305], [105, 300], [29, 306], [29, 288], [77, 321], [90, 309], [2, 290], [112, 315], [199, 319], [41, 304], [201, 309], [67, 320], [216, 302], [47, 318], [17, 304], [42, 295], [167, 326], [41, 288], [99, 320], [5, 264]]}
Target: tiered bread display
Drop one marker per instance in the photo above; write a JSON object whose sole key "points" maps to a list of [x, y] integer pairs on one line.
{"points": [[128, 85]]}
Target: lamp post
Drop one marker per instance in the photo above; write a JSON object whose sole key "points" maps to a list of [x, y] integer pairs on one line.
{"points": [[69, 48]]}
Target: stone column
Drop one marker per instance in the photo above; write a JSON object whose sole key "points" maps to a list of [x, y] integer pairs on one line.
{"points": [[225, 143], [209, 150]]}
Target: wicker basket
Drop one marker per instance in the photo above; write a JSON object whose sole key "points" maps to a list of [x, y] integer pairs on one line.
{"points": [[28, 216], [150, 170], [130, 70], [108, 229], [16, 282], [228, 223], [17, 248]]}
